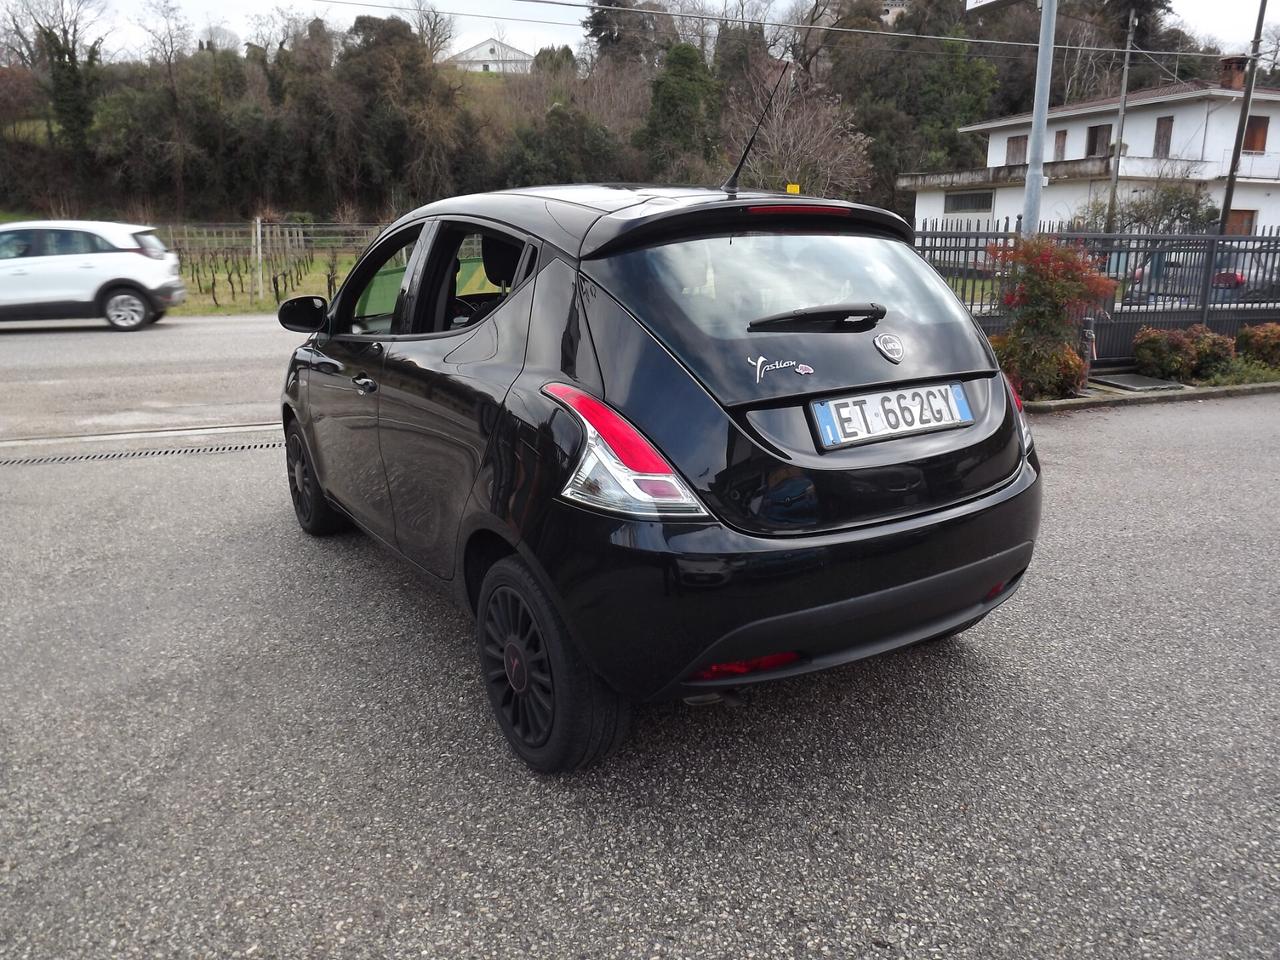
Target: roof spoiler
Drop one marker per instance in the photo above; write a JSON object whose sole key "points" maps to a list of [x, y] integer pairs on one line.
{"points": [[651, 222]]}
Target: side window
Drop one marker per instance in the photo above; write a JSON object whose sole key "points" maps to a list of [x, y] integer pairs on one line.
{"points": [[68, 243], [18, 243], [471, 271], [378, 287]]}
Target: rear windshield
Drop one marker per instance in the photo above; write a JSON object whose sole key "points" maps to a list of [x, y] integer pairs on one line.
{"points": [[149, 242], [718, 284]]}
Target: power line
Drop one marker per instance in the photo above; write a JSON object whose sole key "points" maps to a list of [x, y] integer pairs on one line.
{"points": [[854, 30]]}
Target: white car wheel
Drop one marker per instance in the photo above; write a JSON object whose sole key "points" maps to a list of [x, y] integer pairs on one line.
{"points": [[126, 310]]}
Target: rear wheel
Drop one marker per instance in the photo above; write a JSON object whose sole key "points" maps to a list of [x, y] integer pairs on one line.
{"points": [[126, 309], [315, 514], [556, 714]]}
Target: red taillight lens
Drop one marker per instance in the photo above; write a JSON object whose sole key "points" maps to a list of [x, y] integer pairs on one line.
{"points": [[994, 592], [799, 209], [738, 668], [1229, 279], [632, 449], [1024, 428], [619, 469]]}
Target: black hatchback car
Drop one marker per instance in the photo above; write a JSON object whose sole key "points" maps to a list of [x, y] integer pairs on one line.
{"points": [[662, 442]]}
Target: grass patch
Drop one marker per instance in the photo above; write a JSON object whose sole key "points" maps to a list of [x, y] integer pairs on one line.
{"points": [[1242, 370]]}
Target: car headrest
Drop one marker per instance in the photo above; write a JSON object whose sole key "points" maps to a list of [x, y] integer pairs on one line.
{"points": [[501, 257]]}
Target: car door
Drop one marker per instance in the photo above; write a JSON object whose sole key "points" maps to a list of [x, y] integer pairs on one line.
{"points": [[345, 378], [73, 274], [24, 288], [444, 380]]}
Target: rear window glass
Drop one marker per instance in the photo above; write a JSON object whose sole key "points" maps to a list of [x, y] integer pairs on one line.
{"points": [[718, 284], [149, 242]]}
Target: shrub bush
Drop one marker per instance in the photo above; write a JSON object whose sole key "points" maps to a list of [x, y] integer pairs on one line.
{"points": [[1261, 343], [1212, 352], [1047, 288], [1196, 353], [1042, 369]]}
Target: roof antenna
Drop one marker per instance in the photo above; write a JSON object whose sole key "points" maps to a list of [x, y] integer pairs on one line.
{"points": [[730, 186]]}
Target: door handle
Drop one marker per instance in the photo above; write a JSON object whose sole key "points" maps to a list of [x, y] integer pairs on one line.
{"points": [[364, 385]]}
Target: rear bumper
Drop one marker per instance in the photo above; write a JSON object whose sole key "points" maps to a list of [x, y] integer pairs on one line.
{"points": [[650, 604], [169, 295]]}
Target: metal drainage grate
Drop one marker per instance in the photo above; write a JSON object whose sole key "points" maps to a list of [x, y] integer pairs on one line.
{"points": [[138, 454]]}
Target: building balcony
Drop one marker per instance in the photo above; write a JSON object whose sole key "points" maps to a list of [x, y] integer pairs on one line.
{"points": [[1085, 168], [1254, 166]]}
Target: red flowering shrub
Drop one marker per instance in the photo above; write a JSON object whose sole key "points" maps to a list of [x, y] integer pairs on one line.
{"points": [[1213, 352], [1261, 343], [1048, 288]]}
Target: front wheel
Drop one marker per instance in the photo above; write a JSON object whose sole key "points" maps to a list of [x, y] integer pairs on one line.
{"points": [[126, 309], [315, 514], [556, 714]]}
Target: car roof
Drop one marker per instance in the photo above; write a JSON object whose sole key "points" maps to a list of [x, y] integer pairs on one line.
{"points": [[593, 219], [101, 226]]}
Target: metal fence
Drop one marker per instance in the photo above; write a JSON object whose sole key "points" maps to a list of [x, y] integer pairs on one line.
{"points": [[1163, 280]]}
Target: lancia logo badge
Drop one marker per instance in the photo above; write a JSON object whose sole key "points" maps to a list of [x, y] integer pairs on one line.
{"points": [[890, 346]]}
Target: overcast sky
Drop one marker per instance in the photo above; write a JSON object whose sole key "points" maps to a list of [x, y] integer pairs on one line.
{"points": [[1229, 21]]}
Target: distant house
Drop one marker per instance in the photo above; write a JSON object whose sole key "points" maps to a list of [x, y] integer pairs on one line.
{"points": [[492, 56], [892, 10], [1182, 130]]}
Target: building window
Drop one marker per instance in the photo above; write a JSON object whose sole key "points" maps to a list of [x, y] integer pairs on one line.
{"points": [[485, 67], [972, 201], [492, 51], [1060, 145], [1164, 136], [1015, 151], [1255, 135], [1098, 143]]}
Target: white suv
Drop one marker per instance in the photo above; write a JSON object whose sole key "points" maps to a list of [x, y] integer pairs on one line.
{"points": [[69, 269]]}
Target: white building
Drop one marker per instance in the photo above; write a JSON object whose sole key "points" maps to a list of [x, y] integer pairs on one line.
{"points": [[492, 56], [892, 10], [1183, 130]]}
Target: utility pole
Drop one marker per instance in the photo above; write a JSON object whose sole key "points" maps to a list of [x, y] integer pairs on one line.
{"points": [[1039, 119], [1251, 73], [1119, 141]]}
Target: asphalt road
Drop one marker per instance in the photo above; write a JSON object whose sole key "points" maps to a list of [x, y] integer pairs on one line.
{"points": [[221, 738], [72, 378]]}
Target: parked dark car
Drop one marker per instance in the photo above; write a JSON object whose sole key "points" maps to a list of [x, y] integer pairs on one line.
{"points": [[662, 442]]}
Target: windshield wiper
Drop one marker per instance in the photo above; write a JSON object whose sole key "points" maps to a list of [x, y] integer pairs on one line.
{"points": [[834, 311]]}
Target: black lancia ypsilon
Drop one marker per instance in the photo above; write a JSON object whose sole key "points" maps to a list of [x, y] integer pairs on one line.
{"points": [[662, 442]]}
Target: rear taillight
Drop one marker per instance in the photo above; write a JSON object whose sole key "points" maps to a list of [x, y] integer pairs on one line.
{"points": [[1024, 428], [738, 668], [619, 469], [1229, 279]]}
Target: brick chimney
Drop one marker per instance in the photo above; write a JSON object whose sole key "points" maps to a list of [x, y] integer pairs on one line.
{"points": [[1232, 76]]}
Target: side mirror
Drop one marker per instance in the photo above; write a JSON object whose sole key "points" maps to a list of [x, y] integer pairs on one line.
{"points": [[303, 314]]}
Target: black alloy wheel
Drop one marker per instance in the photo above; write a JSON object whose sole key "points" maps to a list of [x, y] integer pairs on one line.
{"points": [[517, 667], [314, 512], [554, 711]]}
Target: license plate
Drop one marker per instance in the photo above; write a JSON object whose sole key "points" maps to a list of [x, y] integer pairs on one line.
{"points": [[894, 413]]}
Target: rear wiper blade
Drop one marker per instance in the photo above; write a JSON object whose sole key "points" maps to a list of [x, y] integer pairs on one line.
{"points": [[834, 311]]}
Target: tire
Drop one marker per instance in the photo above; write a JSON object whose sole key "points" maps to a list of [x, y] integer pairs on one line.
{"points": [[315, 514], [556, 714], [126, 309], [157, 316]]}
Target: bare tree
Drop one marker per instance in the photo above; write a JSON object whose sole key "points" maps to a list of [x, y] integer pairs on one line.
{"points": [[434, 29], [170, 41], [216, 36], [1271, 51], [74, 21], [806, 138]]}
